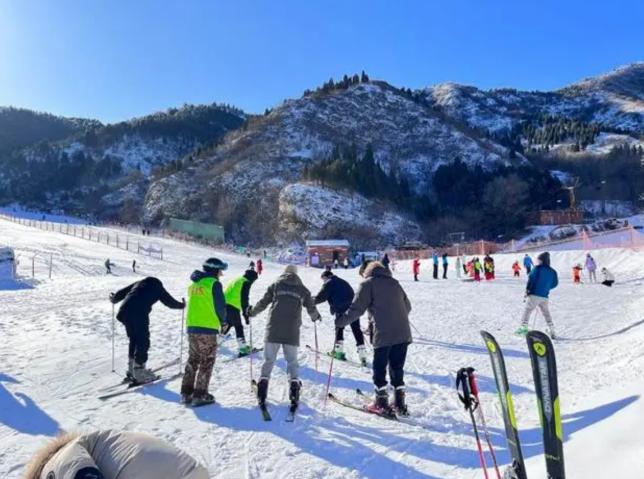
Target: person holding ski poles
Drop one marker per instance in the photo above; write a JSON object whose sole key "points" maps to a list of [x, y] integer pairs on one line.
{"points": [[286, 298], [385, 300], [541, 281], [206, 313], [236, 295], [339, 294], [138, 299]]}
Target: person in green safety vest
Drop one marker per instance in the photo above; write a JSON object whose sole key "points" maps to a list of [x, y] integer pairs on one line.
{"points": [[206, 314], [236, 294]]}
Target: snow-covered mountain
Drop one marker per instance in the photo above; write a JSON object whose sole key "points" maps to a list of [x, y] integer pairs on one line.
{"points": [[87, 159], [615, 100]]}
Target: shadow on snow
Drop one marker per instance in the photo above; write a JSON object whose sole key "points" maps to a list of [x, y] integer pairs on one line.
{"points": [[19, 412]]}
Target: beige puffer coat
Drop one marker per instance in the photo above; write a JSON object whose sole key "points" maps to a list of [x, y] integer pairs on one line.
{"points": [[112, 455]]}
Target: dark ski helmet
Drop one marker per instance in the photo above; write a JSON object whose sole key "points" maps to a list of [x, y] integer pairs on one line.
{"points": [[214, 264]]}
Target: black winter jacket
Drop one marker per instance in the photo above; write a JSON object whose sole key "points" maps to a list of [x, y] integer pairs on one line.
{"points": [[139, 297], [338, 293]]}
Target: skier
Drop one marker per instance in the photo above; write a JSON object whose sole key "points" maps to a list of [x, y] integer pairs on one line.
{"points": [[415, 267], [459, 265], [477, 267], [260, 266], [445, 265], [516, 269], [488, 266], [134, 266], [591, 266], [464, 263], [385, 300], [576, 274], [339, 294], [542, 279], [206, 313], [435, 263], [286, 297], [385, 260], [109, 453], [134, 313], [108, 266], [236, 295], [527, 264], [609, 278]]}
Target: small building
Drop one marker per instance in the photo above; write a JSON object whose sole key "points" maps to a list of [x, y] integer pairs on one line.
{"points": [[561, 217], [321, 253]]}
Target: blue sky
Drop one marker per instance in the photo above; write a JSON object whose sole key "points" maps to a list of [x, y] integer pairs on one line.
{"points": [[115, 59]]}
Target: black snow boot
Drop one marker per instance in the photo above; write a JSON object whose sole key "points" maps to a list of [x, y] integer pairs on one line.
{"points": [[399, 401], [262, 391], [380, 405], [294, 392]]}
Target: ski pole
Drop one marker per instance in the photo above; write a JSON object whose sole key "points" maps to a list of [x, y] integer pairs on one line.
{"points": [[469, 402], [415, 328], [328, 380], [475, 391], [250, 333], [317, 349], [113, 367], [183, 313]]}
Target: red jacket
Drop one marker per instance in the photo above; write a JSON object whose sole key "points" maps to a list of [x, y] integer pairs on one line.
{"points": [[416, 266]]}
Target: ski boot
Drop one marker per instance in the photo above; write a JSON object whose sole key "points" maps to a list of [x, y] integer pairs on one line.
{"points": [[400, 406], [294, 393], [244, 349], [129, 376], [202, 398], [362, 354], [522, 331], [338, 352], [553, 335], [262, 391], [380, 406], [186, 399], [142, 375]]}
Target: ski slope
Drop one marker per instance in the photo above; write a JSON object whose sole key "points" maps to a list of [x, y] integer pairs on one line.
{"points": [[56, 353]]}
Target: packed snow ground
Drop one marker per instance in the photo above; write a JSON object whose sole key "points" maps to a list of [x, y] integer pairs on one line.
{"points": [[56, 354]]}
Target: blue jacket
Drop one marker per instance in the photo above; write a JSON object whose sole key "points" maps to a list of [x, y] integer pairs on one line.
{"points": [[541, 280], [527, 261], [435, 258]]}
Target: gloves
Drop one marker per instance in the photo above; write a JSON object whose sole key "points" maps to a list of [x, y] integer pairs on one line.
{"points": [[317, 317], [183, 300], [112, 298], [248, 313]]}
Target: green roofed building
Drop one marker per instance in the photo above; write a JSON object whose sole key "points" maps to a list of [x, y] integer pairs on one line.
{"points": [[205, 231]]}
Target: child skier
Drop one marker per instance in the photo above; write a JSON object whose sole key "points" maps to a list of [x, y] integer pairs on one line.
{"points": [[415, 268], [260, 266], [236, 295], [339, 294], [108, 266], [476, 265], [516, 269], [488, 267], [435, 263], [138, 299], [609, 278], [385, 300], [206, 313], [286, 297], [576, 274], [445, 264], [541, 280]]}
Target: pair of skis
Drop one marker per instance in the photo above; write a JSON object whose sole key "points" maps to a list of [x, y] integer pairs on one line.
{"points": [[328, 355], [544, 371], [263, 408]]}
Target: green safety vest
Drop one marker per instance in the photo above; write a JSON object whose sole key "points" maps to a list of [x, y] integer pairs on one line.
{"points": [[201, 306], [233, 293]]}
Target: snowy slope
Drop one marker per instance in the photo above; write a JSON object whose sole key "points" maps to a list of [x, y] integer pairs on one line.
{"points": [[56, 353]]}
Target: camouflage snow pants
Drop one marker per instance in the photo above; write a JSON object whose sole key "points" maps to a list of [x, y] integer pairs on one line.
{"points": [[201, 360]]}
